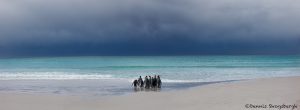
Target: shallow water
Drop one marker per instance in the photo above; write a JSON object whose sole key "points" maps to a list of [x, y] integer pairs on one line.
{"points": [[21, 74], [85, 87]]}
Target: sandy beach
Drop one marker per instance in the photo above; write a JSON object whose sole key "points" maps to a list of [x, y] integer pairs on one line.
{"points": [[257, 94]]}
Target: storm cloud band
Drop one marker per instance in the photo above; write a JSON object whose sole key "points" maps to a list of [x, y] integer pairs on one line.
{"points": [[148, 27]]}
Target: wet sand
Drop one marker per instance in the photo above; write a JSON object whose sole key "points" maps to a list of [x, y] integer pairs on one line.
{"points": [[237, 95]]}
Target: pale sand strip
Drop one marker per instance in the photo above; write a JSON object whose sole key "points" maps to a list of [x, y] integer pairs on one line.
{"points": [[222, 96]]}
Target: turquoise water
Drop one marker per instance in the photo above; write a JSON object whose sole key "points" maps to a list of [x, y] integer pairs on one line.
{"points": [[171, 68]]}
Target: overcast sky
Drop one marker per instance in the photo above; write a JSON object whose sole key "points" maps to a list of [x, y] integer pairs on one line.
{"points": [[148, 27]]}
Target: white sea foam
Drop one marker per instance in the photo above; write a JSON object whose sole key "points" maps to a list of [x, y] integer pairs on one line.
{"points": [[51, 75], [196, 80], [185, 81]]}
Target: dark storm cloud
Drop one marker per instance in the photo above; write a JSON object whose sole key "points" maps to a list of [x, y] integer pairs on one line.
{"points": [[148, 27]]}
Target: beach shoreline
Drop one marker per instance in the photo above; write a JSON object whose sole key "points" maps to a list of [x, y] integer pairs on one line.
{"points": [[237, 95], [88, 87]]}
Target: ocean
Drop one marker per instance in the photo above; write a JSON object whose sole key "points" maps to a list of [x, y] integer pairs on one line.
{"points": [[113, 74]]}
